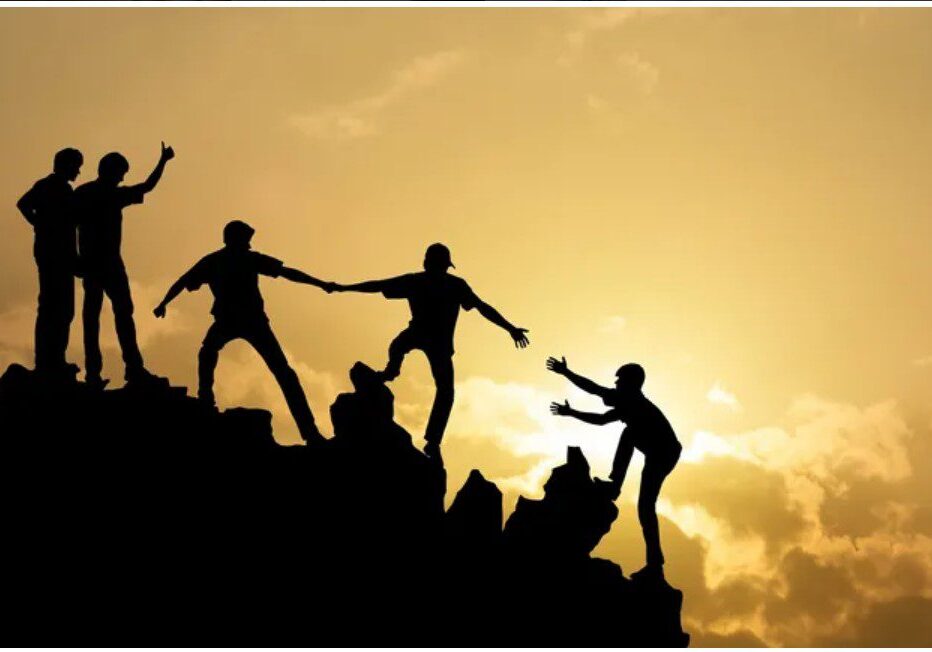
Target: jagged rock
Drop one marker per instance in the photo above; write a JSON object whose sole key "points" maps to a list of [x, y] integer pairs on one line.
{"points": [[574, 515], [142, 517], [474, 520]]}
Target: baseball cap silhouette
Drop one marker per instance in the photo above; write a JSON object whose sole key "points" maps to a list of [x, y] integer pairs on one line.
{"points": [[439, 255]]}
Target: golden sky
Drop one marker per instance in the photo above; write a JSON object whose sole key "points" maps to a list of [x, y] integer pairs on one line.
{"points": [[738, 199]]}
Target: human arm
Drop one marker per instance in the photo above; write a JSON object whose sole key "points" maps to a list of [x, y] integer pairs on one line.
{"points": [[298, 276], [565, 410], [173, 292], [365, 286], [519, 335], [190, 281], [560, 367], [149, 184], [27, 207]]}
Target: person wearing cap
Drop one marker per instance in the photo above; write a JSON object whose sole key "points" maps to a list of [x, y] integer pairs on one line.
{"points": [[49, 207], [435, 297], [232, 273], [646, 429], [100, 205]]}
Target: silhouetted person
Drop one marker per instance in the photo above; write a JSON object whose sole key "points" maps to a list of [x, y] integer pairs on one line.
{"points": [[49, 207], [100, 229], [646, 429], [435, 298], [232, 273]]}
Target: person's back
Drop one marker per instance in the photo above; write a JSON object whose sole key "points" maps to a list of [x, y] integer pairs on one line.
{"points": [[100, 219], [233, 277], [435, 299], [646, 426], [54, 220]]}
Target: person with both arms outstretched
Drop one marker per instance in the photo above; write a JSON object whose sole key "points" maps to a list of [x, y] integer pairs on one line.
{"points": [[435, 297], [232, 273], [646, 429], [100, 205]]}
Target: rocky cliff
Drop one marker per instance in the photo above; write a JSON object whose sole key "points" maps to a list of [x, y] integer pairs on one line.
{"points": [[139, 517]]}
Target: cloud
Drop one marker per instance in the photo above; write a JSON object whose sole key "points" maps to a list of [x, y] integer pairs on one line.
{"points": [[720, 396], [641, 74], [613, 324], [360, 118], [770, 567], [17, 326], [593, 22], [243, 380], [590, 24], [757, 500]]}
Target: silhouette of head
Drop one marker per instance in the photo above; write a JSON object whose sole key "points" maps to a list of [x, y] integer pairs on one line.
{"points": [[68, 163], [629, 378], [112, 168], [237, 234], [437, 258]]}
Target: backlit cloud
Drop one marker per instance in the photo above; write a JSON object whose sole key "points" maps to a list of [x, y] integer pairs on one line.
{"points": [[615, 323], [360, 118], [720, 396]]}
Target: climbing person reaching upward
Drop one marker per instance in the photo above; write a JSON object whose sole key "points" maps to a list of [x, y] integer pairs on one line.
{"points": [[646, 429]]}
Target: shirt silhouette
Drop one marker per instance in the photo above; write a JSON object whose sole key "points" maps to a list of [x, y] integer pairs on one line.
{"points": [[100, 205], [435, 298], [646, 429], [233, 278], [49, 207], [435, 301], [232, 273]]}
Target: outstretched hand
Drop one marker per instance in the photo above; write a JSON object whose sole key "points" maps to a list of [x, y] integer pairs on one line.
{"points": [[167, 152], [560, 409], [557, 366], [519, 335], [159, 311]]}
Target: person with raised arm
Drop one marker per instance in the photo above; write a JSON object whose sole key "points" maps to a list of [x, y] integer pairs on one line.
{"points": [[435, 297], [232, 273], [100, 205], [646, 429]]}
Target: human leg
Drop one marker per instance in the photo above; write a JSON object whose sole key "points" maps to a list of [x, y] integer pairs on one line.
{"points": [[90, 316], [216, 338], [441, 367], [652, 477], [117, 288], [404, 343], [54, 315], [264, 341]]}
